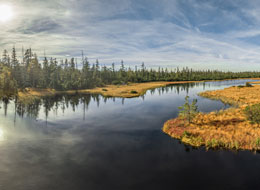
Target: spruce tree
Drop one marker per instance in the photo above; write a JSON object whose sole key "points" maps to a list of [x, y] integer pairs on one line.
{"points": [[188, 111]]}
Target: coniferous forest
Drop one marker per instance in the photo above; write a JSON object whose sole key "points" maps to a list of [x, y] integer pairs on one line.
{"points": [[70, 75]]}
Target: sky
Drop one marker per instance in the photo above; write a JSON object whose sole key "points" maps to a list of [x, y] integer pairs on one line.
{"points": [[200, 34]]}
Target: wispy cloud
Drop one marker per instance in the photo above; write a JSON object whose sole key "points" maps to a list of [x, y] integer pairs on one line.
{"points": [[200, 34]]}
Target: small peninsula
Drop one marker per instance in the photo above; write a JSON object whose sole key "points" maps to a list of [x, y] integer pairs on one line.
{"points": [[226, 129], [130, 90]]}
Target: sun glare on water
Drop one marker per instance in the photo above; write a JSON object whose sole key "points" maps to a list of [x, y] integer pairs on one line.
{"points": [[6, 13]]}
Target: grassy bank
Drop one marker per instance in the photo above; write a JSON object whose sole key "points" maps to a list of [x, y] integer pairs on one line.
{"points": [[239, 95], [228, 129], [123, 91]]}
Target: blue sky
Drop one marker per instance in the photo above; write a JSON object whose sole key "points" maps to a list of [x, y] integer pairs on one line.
{"points": [[202, 34]]}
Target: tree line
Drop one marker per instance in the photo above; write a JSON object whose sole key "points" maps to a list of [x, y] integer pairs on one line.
{"points": [[66, 74], [65, 101]]}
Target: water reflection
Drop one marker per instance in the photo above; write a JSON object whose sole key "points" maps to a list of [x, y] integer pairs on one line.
{"points": [[63, 102], [94, 142], [1, 134]]}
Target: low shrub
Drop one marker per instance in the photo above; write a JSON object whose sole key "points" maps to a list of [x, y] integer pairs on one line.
{"points": [[134, 92], [248, 84], [186, 134], [257, 142], [253, 113]]}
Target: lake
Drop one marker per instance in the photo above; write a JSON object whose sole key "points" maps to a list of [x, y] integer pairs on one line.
{"points": [[92, 142]]}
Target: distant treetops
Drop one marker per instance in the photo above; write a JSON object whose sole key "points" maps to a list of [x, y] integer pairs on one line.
{"points": [[67, 75]]}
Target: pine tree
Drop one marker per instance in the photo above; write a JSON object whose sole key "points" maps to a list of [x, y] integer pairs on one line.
{"points": [[5, 58], [188, 111], [66, 76], [14, 61]]}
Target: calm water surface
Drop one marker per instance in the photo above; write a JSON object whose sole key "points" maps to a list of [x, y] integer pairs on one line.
{"points": [[90, 142]]}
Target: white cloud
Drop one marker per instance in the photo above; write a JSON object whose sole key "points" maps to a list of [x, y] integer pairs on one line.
{"points": [[113, 30]]}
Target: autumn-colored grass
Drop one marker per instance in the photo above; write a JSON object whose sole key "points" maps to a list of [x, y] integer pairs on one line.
{"points": [[236, 95], [124, 91], [227, 129]]}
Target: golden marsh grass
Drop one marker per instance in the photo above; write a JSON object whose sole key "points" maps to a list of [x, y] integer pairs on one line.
{"points": [[227, 129]]}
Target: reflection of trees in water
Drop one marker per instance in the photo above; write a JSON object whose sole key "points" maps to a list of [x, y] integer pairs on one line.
{"points": [[177, 88], [48, 104], [63, 102], [5, 101]]}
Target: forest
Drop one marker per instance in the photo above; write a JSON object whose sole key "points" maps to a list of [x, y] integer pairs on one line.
{"points": [[68, 74]]}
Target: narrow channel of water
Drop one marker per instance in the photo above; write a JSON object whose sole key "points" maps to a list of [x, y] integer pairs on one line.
{"points": [[92, 142]]}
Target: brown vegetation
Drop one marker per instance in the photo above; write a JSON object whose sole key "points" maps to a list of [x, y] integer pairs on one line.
{"points": [[227, 129], [124, 91], [235, 95]]}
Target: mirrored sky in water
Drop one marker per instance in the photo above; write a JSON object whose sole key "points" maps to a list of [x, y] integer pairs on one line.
{"points": [[118, 144]]}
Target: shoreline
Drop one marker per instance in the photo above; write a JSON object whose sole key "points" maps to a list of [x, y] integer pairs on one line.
{"points": [[122, 91], [131, 90], [224, 129], [227, 129]]}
